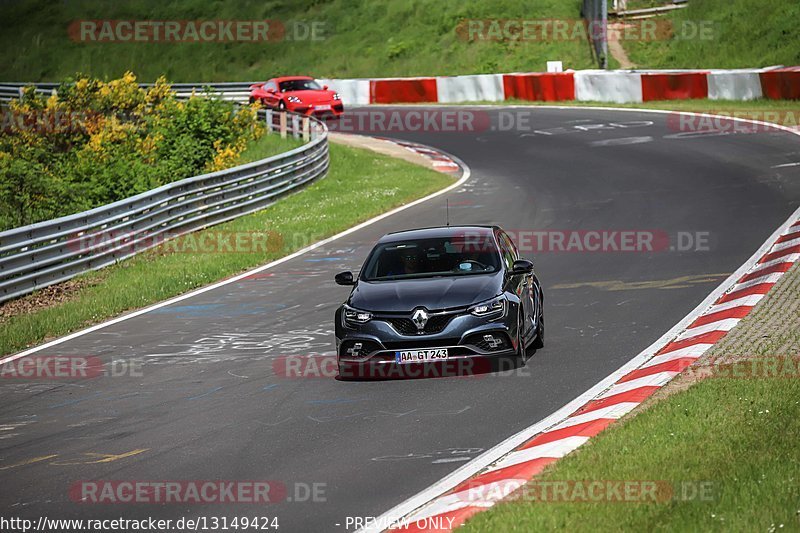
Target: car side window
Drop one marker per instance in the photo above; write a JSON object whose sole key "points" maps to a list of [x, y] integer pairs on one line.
{"points": [[505, 251], [510, 244], [270, 85]]}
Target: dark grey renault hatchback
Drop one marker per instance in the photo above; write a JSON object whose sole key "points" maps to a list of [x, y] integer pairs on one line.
{"points": [[444, 295]]}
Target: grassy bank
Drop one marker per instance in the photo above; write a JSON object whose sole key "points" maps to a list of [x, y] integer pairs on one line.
{"points": [[378, 38], [353, 39], [736, 436], [739, 33], [360, 185]]}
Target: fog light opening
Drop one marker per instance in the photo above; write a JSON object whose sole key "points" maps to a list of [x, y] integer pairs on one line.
{"points": [[355, 351]]}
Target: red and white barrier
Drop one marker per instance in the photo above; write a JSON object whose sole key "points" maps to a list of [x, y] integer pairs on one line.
{"points": [[616, 86]]}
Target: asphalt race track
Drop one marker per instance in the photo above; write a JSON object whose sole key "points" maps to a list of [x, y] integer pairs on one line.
{"points": [[211, 402]]}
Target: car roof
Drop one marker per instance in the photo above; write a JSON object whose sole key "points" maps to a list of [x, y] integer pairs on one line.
{"points": [[438, 232]]}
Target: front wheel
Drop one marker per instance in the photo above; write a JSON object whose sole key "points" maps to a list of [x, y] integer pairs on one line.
{"points": [[520, 341], [538, 342]]}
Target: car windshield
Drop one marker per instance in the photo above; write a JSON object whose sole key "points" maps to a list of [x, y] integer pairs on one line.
{"points": [[424, 258], [300, 85]]}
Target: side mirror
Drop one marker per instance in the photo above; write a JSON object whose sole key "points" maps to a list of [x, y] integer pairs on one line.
{"points": [[521, 266], [270, 90], [324, 87], [345, 278]]}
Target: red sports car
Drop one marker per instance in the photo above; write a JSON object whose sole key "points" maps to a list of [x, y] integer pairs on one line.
{"points": [[300, 94]]}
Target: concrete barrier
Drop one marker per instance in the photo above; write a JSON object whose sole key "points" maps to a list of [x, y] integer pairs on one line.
{"points": [[614, 86], [540, 86], [782, 83], [488, 87], [674, 85], [353, 92], [725, 85], [403, 90], [605, 86]]}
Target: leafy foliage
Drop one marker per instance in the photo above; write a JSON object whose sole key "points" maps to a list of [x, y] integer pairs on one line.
{"points": [[93, 142]]}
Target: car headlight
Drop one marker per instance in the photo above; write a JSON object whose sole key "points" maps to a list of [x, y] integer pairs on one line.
{"points": [[489, 308], [354, 317], [294, 99], [336, 96]]}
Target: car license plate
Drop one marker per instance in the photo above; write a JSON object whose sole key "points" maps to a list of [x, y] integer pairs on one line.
{"points": [[420, 356], [322, 108]]}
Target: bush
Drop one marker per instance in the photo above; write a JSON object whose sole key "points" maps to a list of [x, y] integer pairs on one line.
{"points": [[95, 142]]}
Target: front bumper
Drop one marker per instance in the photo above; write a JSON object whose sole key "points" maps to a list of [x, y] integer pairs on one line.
{"points": [[335, 110], [465, 336]]}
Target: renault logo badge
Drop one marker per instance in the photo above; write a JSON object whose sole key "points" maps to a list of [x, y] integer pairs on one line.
{"points": [[420, 318]]}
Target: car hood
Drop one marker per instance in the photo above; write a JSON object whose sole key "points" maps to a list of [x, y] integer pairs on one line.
{"points": [[431, 293], [312, 97]]}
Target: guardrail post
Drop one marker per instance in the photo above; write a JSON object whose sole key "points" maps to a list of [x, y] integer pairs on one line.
{"points": [[269, 121], [295, 126], [306, 129], [283, 125]]}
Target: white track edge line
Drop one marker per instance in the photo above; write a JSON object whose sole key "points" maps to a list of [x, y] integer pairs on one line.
{"points": [[467, 172]]}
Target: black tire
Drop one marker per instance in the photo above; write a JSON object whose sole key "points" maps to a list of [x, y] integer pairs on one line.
{"points": [[252, 100], [281, 106], [538, 342], [521, 352]]}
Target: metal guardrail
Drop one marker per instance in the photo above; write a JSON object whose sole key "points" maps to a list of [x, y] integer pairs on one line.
{"points": [[234, 91], [45, 253]]}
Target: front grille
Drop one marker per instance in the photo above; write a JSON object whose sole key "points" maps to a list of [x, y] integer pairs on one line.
{"points": [[435, 324]]}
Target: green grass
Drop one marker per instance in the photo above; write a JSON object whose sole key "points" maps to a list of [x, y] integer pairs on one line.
{"points": [[743, 33], [361, 39], [267, 146], [375, 38], [740, 435], [360, 185]]}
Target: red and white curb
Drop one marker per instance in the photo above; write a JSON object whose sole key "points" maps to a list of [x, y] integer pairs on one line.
{"points": [[613, 398], [439, 160]]}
